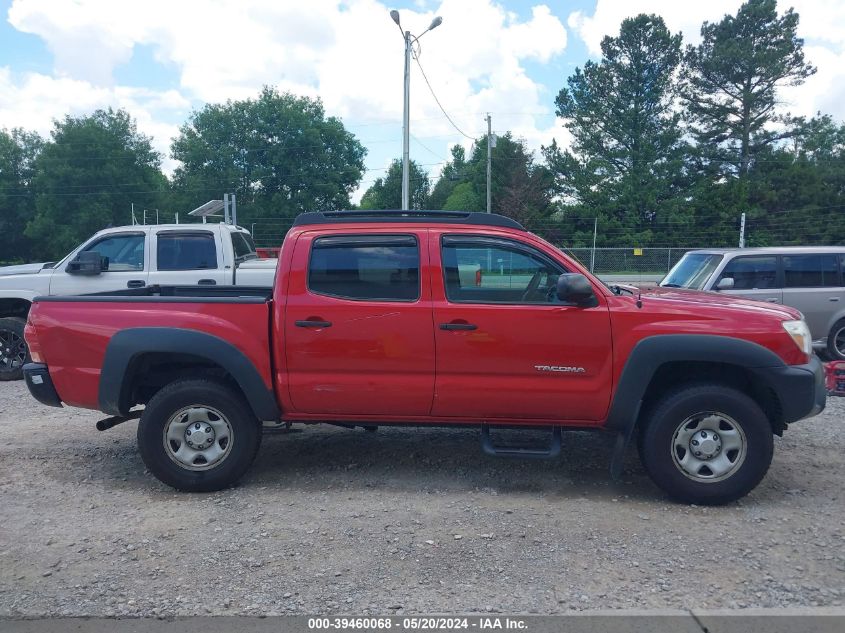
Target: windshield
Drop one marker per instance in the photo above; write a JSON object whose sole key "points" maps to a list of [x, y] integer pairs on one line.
{"points": [[692, 271]]}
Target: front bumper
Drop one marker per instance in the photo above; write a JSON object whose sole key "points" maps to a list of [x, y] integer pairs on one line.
{"points": [[40, 384], [800, 388]]}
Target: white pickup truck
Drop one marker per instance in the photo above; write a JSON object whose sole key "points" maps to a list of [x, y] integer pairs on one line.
{"points": [[128, 257]]}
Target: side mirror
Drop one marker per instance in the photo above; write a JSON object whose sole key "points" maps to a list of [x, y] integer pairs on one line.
{"points": [[87, 263], [725, 283], [575, 289]]}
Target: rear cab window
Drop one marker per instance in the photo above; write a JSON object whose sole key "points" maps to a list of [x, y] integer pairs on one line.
{"points": [[243, 247], [366, 267]]}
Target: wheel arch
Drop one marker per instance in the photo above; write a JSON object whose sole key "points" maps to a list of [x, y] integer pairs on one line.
{"points": [[660, 362], [14, 307], [136, 354]]}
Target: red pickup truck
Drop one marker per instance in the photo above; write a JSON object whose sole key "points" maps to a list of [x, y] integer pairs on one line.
{"points": [[424, 318]]}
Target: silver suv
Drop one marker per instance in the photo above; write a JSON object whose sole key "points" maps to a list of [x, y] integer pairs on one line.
{"points": [[803, 277]]}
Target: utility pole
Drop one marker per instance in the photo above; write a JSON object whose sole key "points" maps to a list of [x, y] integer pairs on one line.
{"points": [[593, 254], [742, 231], [406, 152], [409, 42], [489, 160]]}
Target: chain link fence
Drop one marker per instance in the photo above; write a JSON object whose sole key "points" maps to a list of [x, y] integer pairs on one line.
{"points": [[628, 261]]}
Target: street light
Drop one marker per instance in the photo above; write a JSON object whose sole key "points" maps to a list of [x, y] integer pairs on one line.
{"points": [[409, 42]]}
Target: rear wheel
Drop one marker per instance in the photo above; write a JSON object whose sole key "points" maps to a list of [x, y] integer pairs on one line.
{"points": [[13, 351], [706, 444], [836, 341], [198, 435]]}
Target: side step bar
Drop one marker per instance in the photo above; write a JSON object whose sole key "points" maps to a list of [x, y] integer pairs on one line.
{"points": [[550, 452]]}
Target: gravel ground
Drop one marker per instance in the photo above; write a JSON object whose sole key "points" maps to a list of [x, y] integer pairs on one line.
{"points": [[400, 521]]}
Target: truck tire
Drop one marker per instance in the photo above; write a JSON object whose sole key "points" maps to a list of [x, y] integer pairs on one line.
{"points": [[706, 444], [198, 435], [836, 341], [13, 350]]}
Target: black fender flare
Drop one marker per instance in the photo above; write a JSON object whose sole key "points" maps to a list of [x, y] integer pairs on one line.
{"points": [[126, 346], [650, 353]]}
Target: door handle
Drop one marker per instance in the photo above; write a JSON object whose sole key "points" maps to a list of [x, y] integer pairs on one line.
{"points": [[135, 283], [207, 282], [833, 299], [773, 300], [313, 323], [458, 326]]}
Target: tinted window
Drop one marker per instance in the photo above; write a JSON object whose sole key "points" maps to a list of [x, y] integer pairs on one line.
{"points": [[124, 252], [244, 246], [496, 272], [752, 272], [184, 251], [376, 268], [810, 271]]}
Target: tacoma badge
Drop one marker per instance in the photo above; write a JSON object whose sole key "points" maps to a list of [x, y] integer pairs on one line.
{"points": [[560, 368]]}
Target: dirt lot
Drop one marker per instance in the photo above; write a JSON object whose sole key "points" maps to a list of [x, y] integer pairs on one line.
{"points": [[399, 521]]}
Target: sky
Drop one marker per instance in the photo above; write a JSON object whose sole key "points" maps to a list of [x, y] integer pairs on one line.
{"points": [[162, 59]]}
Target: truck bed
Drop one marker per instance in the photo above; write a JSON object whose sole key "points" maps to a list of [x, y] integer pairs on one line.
{"points": [[74, 331]]}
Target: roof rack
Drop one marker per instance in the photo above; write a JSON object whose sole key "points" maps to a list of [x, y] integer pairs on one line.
{"points": [[442, 217]]}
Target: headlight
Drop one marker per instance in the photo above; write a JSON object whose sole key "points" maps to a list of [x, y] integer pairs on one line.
{"points": [[800, 333]]}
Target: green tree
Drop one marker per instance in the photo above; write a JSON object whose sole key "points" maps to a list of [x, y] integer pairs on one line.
{"points": [[520, 188], [452, 174], [731, 81], [626, 163], [279, 153], [386, 192], [18, 151], [463, 198], [797, 191], [86, 178]]}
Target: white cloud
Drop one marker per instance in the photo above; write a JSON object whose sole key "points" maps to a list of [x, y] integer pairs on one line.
{"points": [[347, 53], [822, 25], [33, 101], [679, 16]]}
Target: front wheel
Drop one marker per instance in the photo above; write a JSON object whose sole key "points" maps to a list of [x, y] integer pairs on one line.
{"points": [[706, 444], [13, 351], [198, 435]]}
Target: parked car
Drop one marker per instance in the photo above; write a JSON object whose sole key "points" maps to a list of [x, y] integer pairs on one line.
{"points": [[127, 257], [809, 279], [371, 322]]}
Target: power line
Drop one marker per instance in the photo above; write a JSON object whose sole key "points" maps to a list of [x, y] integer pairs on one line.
{"points": [[448, 118]]}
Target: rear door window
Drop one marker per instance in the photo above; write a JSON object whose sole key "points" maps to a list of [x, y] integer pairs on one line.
{"points": [[366, 267], [811, 271], [752, 272], [186, 251]]}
